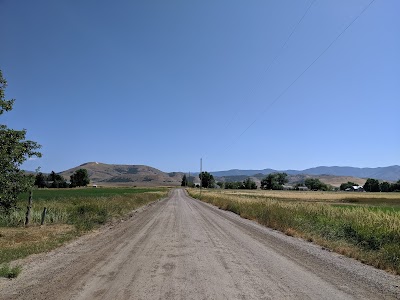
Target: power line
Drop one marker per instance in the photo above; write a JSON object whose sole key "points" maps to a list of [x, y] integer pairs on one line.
{"points": [[302, 73], [277, 55]]}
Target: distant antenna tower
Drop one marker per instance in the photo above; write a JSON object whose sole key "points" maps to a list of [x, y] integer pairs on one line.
{"points": [[201, 175]]}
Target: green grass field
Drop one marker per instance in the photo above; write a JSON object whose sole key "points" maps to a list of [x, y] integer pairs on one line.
{"points": [[82, 193], [71, 212], [82, 207], [365, 226]]}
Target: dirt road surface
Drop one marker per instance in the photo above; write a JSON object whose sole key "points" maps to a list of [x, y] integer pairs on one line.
{"points": [[181, 248]]}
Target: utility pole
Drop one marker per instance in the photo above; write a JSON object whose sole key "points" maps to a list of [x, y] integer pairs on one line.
{"points": [[201, 175]]}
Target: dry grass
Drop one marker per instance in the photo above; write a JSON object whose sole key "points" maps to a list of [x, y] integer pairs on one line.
{"points": [[317, 196], [19, 242], [365, 232], [13, 238]]}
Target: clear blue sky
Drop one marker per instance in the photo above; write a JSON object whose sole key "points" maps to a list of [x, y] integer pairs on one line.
{"points": [[163, 83]]}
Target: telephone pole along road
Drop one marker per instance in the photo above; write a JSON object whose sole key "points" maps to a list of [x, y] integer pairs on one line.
{"points": [[181, 248]]}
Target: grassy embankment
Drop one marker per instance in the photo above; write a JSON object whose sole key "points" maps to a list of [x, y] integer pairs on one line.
{"points": [[71, 212], [365, 226]]}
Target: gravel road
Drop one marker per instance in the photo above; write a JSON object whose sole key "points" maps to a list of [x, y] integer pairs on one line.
{"points": [[181, 248]]}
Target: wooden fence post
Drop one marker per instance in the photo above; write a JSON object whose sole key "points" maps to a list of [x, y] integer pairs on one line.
{"points": [[43, 215], [28, 211]]}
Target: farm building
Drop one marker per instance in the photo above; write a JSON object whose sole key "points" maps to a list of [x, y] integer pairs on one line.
{"points": [[302, 188], [288, 187], [355, 188]]}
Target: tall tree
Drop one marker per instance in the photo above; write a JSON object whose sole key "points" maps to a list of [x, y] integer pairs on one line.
{"points": [[371, 185], [80, 178], [207, 180], [282, 178], [40, 180], [249, 184], [184, 180], [14, 150], [384, 186], [315, 184], [57, 181], [395, 187], [274, 181]]}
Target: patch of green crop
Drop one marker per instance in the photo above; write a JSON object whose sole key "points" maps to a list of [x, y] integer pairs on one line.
{"points": [[80, 193], [84, 207], [87, 215]]}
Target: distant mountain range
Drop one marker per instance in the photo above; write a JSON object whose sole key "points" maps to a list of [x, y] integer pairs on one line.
{"points": [[391, 173], [140, 175]]}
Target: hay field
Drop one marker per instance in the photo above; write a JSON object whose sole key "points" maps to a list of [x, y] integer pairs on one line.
{"points": [[365, 226], [386, 199]]}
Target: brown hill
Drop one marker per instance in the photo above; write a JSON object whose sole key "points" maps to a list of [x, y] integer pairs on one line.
{"points": [[108, 174], [332, 180], [338, 180]]}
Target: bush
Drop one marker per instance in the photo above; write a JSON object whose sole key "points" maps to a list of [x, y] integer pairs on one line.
{"points": [[9, 272], [315, 184]]}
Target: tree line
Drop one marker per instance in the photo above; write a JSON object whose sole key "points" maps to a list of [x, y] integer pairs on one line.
{"points": [[273, 181], [373, 185], [78, 178], [277, 181], [247, 184], [207, 181]]}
